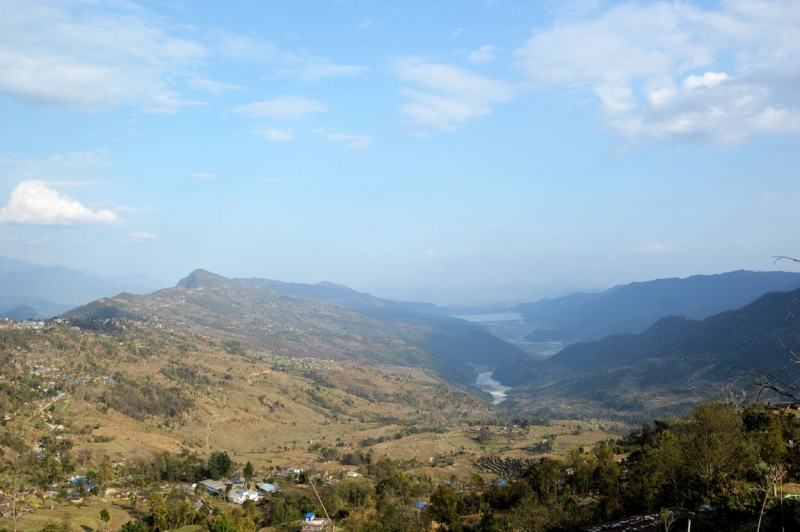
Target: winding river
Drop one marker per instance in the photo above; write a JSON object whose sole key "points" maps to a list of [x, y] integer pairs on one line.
{"points": [[486, 383]]}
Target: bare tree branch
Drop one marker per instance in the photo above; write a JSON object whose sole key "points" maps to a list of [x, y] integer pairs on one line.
{"points": [[781, 382]]}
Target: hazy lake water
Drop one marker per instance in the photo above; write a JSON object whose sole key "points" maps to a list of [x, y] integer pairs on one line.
{"points": [[493, 317], [486, 383]]}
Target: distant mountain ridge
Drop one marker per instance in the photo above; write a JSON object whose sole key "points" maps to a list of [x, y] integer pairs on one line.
{"points": [[324, 320], [676, 360], [634, 307], [29, 290]]}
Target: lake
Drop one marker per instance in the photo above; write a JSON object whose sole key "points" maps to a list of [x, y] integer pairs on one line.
{"points": [[490, 318]]}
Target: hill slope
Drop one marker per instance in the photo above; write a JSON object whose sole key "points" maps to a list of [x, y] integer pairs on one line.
{"points": [[321, 321], [677, 360], [634, 307]]}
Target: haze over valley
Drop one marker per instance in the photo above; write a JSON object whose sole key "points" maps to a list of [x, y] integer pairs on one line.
{"points": [[317, 266]]}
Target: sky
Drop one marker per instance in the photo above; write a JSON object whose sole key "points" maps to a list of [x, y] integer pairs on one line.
{"points": [[469, 151]]}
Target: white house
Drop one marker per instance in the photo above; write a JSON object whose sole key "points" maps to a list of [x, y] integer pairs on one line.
{"points": [[239, 496]]}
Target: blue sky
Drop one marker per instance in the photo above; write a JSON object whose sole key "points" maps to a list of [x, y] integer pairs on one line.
{"points": [[452, 151]]}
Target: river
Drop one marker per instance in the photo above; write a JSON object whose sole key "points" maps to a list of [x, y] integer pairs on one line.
{"points": [[486, 383]]}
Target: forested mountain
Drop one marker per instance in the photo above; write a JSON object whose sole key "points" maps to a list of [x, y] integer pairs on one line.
{"points": [[322, 321], [29, 290], [634, 307], [677, 360]]}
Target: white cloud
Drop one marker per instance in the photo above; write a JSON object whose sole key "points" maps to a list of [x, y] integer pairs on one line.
{"points": [[431, 255], [364, 23], [484, 54], [352, 142], [204, 175], [655, 68], [268, 179], [86, 57], [448, 95], [656, 248], [287, 108], [33, 202], [458, 31], [275, 134], [709, 80]]}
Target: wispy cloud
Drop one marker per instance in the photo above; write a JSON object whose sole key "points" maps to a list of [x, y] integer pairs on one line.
{"points": [[79, 57], [204, 175], [446, 95], [656, 248], [34, 202], [318, 69], [673, 71], [275, 134], [140, 236], [306, 66], [286, 108], [352, 142], [484, 54], [214, 87], [76, 159]]}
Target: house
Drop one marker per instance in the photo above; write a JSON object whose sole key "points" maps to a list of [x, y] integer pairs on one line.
{"points": [[266, 487], [240, 496], [214, 487], [315, 524], [76, 499], [6, 505], [353, 474]]}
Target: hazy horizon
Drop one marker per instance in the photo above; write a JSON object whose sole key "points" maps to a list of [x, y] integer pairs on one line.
{"points": [[465, 153]]}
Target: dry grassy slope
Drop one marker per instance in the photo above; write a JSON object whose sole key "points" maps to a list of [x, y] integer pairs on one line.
{"points": [[288, 325], [269, 408]]}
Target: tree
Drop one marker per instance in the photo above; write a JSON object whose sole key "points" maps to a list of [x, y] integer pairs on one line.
{"points": [[105, 516], [219, 465], [714, 447], [134, 526], [158, 511], [248, 471], [443, 507], [782, 382], [223, 523], [489, 522]]}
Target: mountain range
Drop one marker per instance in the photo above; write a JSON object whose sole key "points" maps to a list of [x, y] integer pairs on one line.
{"points": [[634, 307], [30, 290], [680, 353], [676, 361]]}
